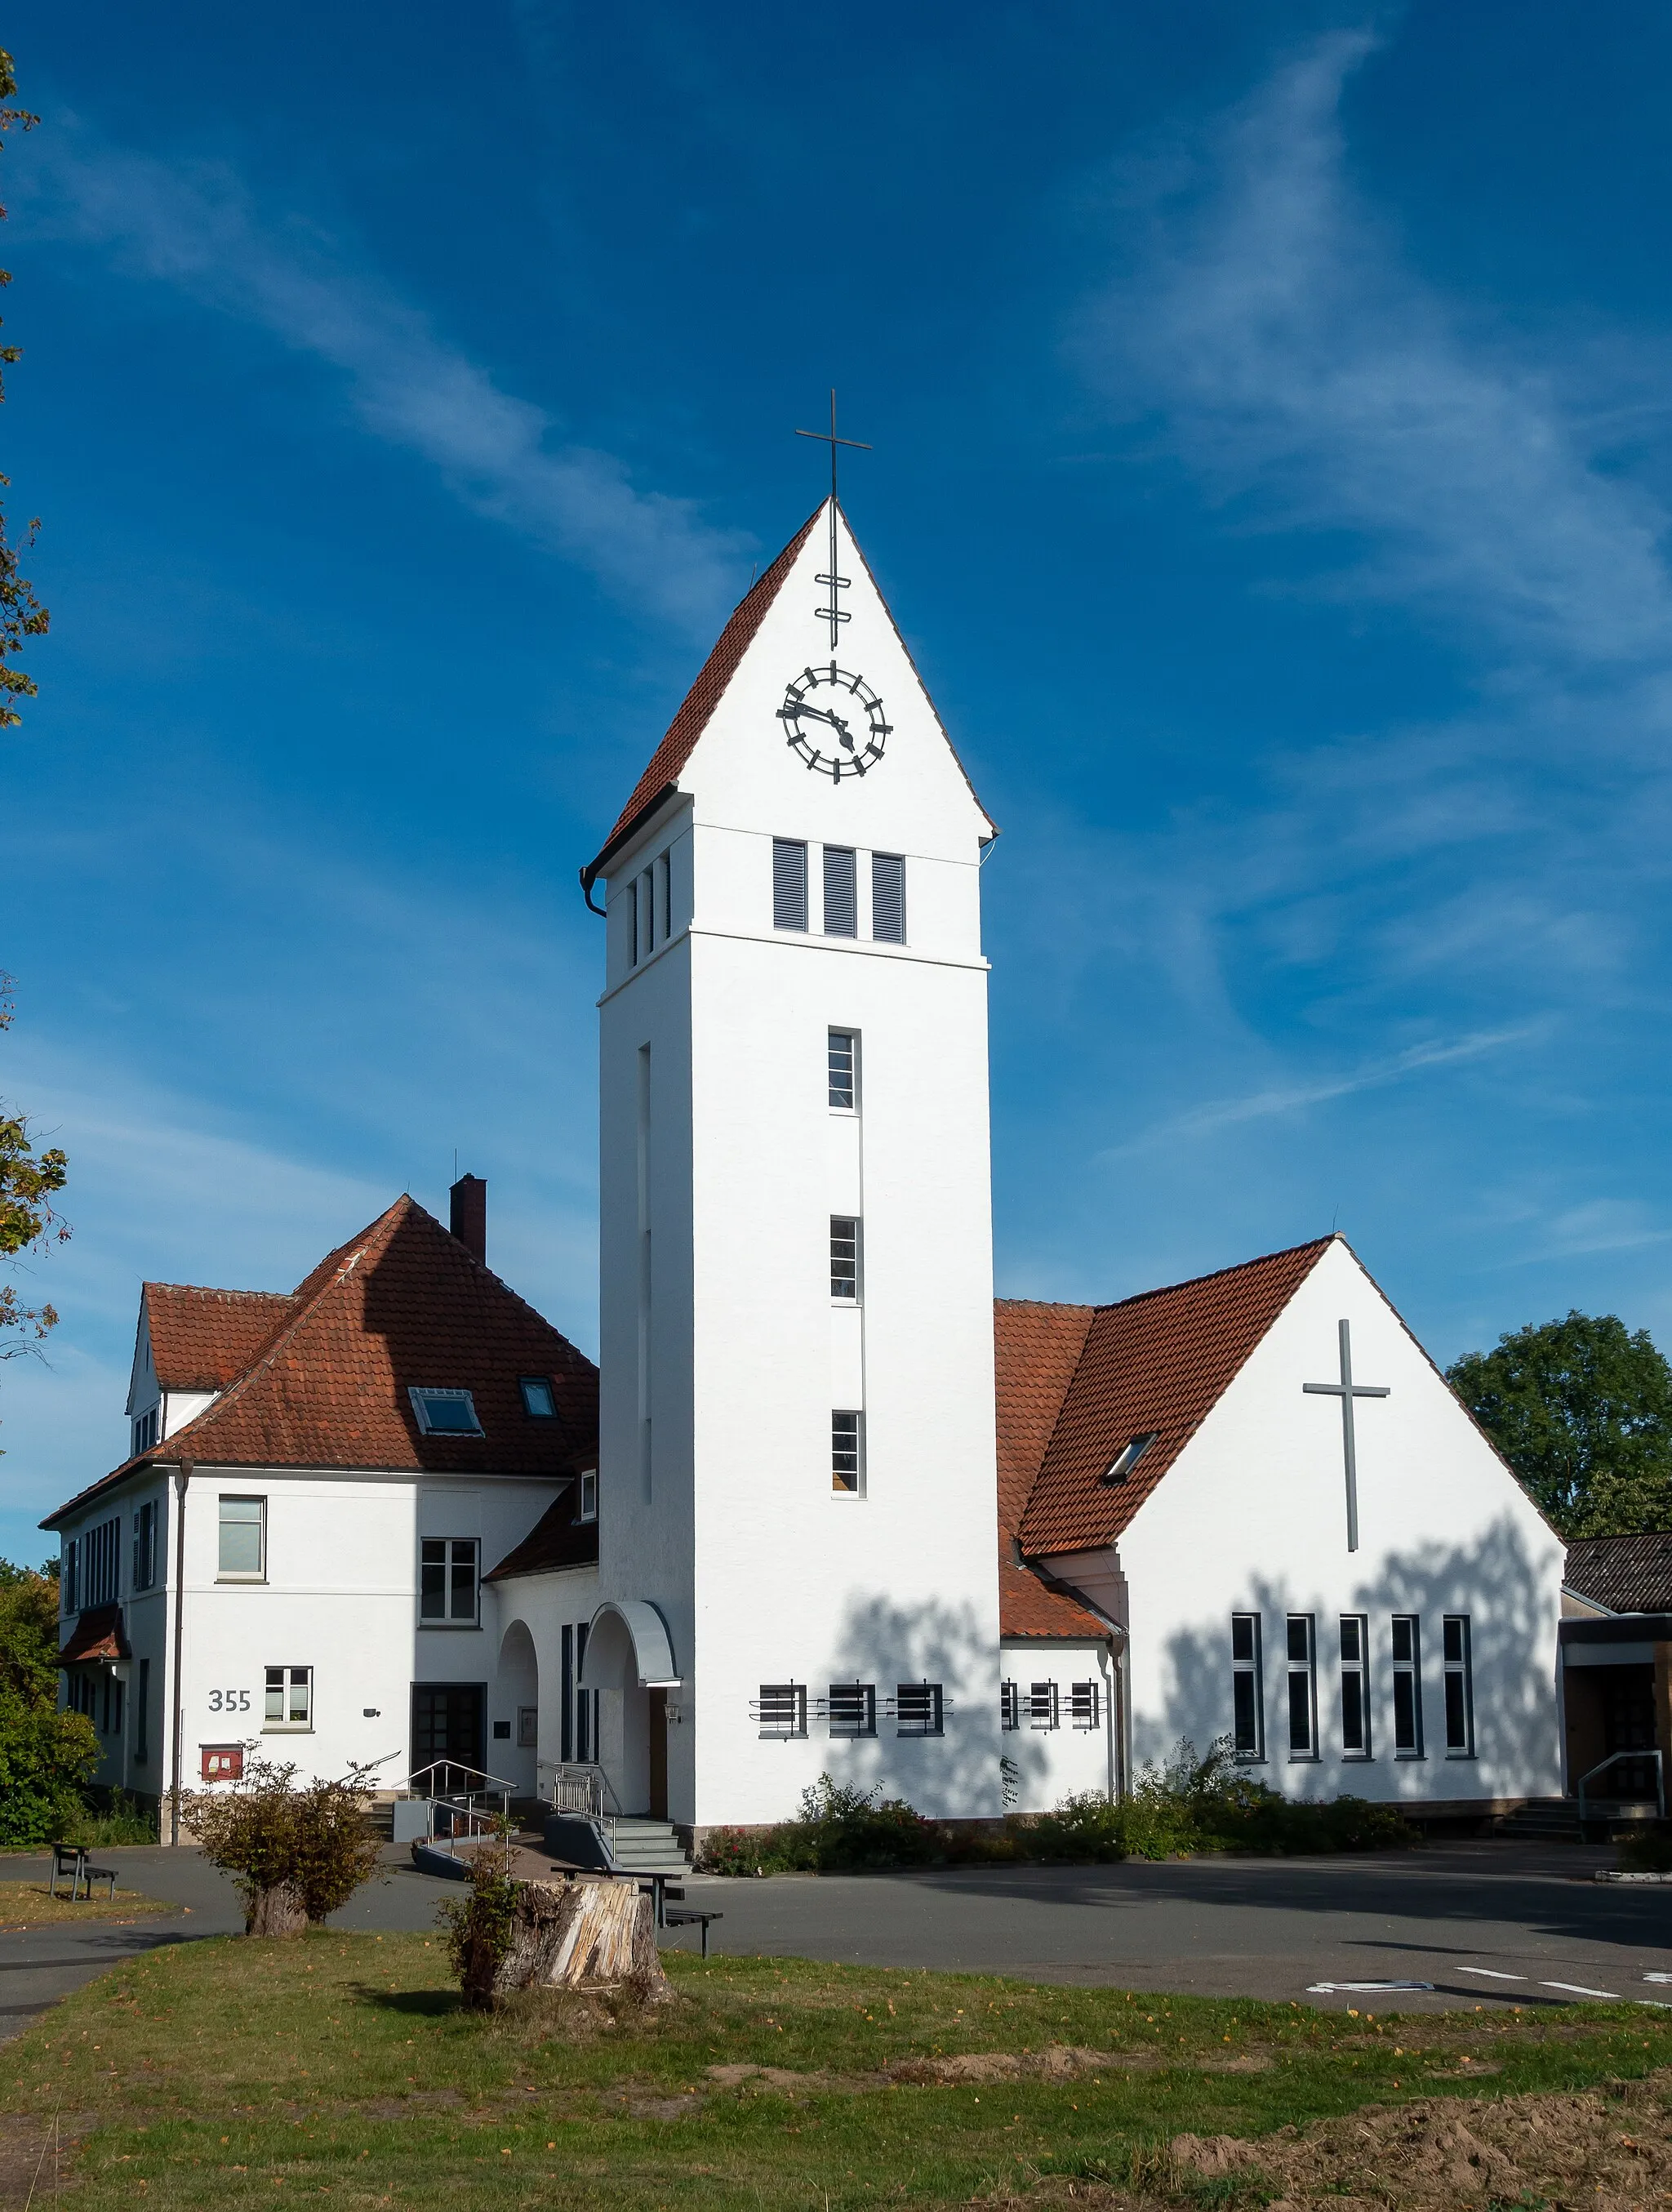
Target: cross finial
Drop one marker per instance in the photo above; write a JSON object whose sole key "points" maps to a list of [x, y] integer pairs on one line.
{"points": [[836, 582], [832, 440]]}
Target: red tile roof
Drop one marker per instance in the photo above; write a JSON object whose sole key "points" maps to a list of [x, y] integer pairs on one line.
{"points": [[402, 1304], [204, 1339], [1626, 1574], [1037, 1348], [559, 1539], [706, 694], [97, 1635], [1161, 1362]]}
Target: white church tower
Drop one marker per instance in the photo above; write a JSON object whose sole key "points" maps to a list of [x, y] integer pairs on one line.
{"points": [[797, 1489]]}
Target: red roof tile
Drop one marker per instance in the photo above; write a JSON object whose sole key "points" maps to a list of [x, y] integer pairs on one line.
{"points": [[1626, 1574], [403, 1304], [204, 1339], [559, 1539], [97, 1635], [1037, 1348], [1161, 1362]]}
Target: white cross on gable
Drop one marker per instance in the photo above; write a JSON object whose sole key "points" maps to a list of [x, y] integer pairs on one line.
{"points": [[1346, 1390]]}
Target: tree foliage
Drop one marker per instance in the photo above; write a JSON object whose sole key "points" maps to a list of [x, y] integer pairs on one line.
{"points": [[1582, 1410], [295, 1854], [28, 1182], [21, 615], [45, 1755]]}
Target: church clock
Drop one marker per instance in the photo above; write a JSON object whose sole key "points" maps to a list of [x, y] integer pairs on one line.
{"points": [[835, 720]]}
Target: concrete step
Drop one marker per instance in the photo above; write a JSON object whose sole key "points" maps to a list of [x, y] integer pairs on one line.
{"points": [[646, 1846]]}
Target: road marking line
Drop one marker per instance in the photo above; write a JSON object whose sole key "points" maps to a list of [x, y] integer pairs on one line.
{"points": [[1657, 1977], [1367, 1988], [1574, 1990], [1491, 1974]]}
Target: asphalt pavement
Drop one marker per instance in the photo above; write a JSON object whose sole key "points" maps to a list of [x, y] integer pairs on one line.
{"points": [[1487, 1924]]}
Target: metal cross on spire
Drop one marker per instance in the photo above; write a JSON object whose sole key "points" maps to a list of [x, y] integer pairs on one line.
{"points": [[834, 583], [1346, 1390]]}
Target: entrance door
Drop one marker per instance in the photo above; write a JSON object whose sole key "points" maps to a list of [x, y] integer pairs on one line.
{"points": [[657, 1703], [447, 1725]]}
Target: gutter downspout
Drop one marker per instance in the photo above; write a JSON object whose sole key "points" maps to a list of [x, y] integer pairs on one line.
{"points": [[182, 1478]]}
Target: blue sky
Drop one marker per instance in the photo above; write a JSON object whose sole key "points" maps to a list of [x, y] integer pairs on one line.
{"points": [[1272, 475]]}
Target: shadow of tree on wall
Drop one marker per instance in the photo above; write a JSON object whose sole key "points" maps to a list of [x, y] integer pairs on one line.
{"points": [[1513, 1622], [888, 1644]]}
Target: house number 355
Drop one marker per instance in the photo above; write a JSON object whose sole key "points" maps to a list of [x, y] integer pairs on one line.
{"points": [[229, 1701]]}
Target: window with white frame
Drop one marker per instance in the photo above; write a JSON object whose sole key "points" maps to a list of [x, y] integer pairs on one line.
{"points": [[851, 1708], [1459, 1687], [448, 1581], [844, 1260], [1086, 1704], [444, 1413], [1408, 1685], [781, 1711], [587, 1509], [102, 1563], [1248, 1692], [1044, 1710], [539, 1401], [847, 1451], [145, 1544], [841, 897], [1010, 1705], [845, 1068], [289, 1698], [1355, 1685], [919, 1709], [888, 898], [1302, 1649], [243, 1550], [789, 884]]}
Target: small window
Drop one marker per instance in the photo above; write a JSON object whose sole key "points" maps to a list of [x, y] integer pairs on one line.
{"points": [[1086, 1704], [448, 1581], [1129, 1455], [144, 1432], [844, 1259], [289, 1697], [888, 898], [539, 1401], [1408, 1685], [1355, 1685], [782, 1709], [789, 884], [1043, 1708], [588, 1508], [852, 1707], [665, 893], [243, 1539], [1459, 1688], [842, 913], [1247, 1696], [1303, 1687], [445, 1412], [145, 1544], [844, 1071], [919, 1709], [847, 1451], [528, 1728], [1010, 1705]]}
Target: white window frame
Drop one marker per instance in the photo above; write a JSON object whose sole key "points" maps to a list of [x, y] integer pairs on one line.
{"points": [[223, 1573], [851, 1039], [1249, 1667], [846, 1240], [1301, 1669], [1355, 1670], [450, 1546], [1409, 1670], [587, 1509], [420, 1393], [286, 1686], [856, 1487], [1459, 1672], [1044, 1706]]}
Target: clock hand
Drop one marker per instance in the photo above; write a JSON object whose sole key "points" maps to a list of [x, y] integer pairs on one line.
{"points": [[821, 714]]}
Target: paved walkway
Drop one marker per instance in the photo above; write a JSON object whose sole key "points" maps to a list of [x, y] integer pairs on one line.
{"points": [[1486, 1923]]}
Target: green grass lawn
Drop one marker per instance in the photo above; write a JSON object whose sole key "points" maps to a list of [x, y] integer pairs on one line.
{"points": [[31, 1904], [227, 2071]]}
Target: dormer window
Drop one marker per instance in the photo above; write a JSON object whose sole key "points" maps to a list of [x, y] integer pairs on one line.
{"points": [[144, 1432], [1129, 1455], [539, 1400], [588, 1509], [445, 1412]]}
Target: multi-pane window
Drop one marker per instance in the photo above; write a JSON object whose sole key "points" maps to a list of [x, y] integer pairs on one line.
{"points": [[145, 1431], [1406, 1686], [919, 1709], [888, 898], [1355, 1685], [1044, 1711], [782, 1709], [1248, 1695], [243, 1554], [69, 1586], [847, 1451], [1459, 1688], [1086, 1704], [844, 1259], [145, 1544], [841, 905], [444, 1413], [1303, 1687], [844, 1070], [789, 884], [852, 1708], [289, 1697], [102, 1563], [448, 1580], [1010, 1705], [539, 1400]]}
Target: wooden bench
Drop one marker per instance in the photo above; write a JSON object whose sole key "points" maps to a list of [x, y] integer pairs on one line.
{"points": [[692, 1919], [71, 1859]]}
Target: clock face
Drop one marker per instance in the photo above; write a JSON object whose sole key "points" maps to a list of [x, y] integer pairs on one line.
{"points": [[835, 720]]}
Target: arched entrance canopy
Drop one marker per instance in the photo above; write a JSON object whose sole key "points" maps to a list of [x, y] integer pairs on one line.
{"points": [[627, 1646]]}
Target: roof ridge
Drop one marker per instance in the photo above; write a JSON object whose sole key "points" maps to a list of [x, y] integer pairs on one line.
{"points": [[1319, 1244], [210, 1289]]}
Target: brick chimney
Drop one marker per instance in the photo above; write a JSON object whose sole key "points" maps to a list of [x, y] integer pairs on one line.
{"points": [[468, 1218]]}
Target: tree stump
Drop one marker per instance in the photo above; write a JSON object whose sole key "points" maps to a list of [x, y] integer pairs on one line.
{"points": [[276, 1911], [584, 1936]]}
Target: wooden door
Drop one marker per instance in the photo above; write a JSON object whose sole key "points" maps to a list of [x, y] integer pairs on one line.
{"points": [[658, 1754]]}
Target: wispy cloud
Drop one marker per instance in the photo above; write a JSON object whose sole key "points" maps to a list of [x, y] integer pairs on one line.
{"points": [[196, 228]]}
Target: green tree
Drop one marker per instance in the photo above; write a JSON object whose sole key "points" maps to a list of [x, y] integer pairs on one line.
{"points": [[21, 615], [1582, 1410], [45, 1755]]}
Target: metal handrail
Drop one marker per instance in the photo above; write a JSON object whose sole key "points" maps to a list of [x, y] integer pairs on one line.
{"points": [[581, 1786], [450, 1766], [1613, 1759]]}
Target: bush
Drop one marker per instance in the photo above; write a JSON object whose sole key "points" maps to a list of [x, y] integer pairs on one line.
{"points": [[295, 1855], [122, 1820], [45, 1758], [479, 1926], [840, 1828]]}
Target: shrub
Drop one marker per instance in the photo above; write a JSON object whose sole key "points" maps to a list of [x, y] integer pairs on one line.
{"points": [[839, 1827], [479, 1926], [45, 1758], [121, 1819], [295, 1855]]}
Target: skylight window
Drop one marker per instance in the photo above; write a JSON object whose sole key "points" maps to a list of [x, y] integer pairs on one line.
{"points": [[445, 1412], [1129, 1456], [539, 1401]]}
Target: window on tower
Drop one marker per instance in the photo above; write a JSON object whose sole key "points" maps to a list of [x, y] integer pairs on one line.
{"points": [[847, 1451], [789, 884], [842, 911], [844, 1066], [888, 898], [844, 1259]]}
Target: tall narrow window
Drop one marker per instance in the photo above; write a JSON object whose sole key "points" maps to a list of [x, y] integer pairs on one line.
{"points": [[1303, 1687], [566, 1696], [587, 1508], [1010, 1705], [648, 911], [844, 1070], [842, 909], [1406, 1686], [665, 893], [789, 884], [586, 1702], [71, 1594], [633, 952], [1247, 1697], [102, 1563], [847, 1451], [1355, 1685], [243, 1555], [1459, 1689], [888, 898], [142, 1740], [844, 1259], [145, 1544], [448, 1581], [852, 1707]]}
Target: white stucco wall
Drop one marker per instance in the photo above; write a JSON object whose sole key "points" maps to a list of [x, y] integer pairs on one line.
{"points": [[1051, 1764]]}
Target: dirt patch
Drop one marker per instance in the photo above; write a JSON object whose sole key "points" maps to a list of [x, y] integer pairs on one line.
{"points": [[38, 2153], [1058, 2062]]}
